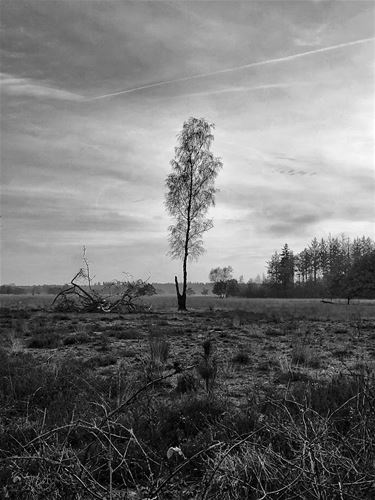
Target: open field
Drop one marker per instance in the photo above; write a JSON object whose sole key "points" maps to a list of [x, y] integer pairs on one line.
{"points": [[287, 308], [234, 399]]}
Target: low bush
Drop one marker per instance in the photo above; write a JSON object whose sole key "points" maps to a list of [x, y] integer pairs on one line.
{"points": [[186, 382], [45, 340], [206, 365], [241, 357], [293, 375], [274, 332], [77, 338], [100, 360], [189, 416], [121, 334]]}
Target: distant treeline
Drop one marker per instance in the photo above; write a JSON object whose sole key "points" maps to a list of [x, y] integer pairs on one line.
{"points": [[33, 290], [198, 288], [335, 267], [161, 288]]}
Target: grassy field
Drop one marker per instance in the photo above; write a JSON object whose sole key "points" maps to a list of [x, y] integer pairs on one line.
{"points": [[235, 399], [287, 308]]}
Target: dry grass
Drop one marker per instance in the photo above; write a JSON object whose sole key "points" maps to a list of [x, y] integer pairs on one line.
{"points": [[262, 401]]}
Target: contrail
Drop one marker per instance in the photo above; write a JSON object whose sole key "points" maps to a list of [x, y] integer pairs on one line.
{"points": [[234, 68], [243, 89]]}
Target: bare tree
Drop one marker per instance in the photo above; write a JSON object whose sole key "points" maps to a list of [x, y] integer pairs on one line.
{"points": [[191, 192]]}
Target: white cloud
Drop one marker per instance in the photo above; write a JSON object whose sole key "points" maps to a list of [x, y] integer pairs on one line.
{"points": [[28, 87], [310, 35]]}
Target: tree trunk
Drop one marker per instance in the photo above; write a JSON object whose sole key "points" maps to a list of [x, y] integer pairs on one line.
{"points": [[181, 297], [182, 302]]}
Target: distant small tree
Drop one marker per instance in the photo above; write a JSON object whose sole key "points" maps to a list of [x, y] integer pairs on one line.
{"points": [[205, 291], [232, 288], [191, 192], [219, 276]]}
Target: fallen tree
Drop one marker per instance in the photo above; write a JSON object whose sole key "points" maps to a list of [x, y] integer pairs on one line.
{"points": [[115, 296]]}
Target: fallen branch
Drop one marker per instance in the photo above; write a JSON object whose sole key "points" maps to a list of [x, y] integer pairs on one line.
{"points": [[115, 296]]}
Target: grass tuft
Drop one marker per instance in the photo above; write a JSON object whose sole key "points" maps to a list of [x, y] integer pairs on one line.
{"points": [[304, 355]]}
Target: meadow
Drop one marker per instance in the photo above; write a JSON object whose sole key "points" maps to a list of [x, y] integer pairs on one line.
{"points": [[309, 308], [235, 399]]}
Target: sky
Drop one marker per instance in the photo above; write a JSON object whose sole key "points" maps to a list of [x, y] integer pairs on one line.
{"points": [[94, 94]]}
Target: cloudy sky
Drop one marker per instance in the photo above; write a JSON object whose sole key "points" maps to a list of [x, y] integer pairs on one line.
{"points": [[94, 93]]}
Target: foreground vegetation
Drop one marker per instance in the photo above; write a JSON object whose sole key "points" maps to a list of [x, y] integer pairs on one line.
{"points": [[276, 401]]}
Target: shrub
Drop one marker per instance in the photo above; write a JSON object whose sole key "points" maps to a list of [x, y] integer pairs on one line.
{"points": [[101, 360], [189, 416], [103, 343], [241, 357], [78, 338], [121, 334], [207, 365], [291, 376], [274, 332], [45, 340], [342, 352], [340, 330], [186, 382]]}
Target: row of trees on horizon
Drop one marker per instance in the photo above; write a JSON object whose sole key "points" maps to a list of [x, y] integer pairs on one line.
{"points": [[335, 267]]}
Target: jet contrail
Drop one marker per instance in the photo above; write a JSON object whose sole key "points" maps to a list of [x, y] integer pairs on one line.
{"points": [[234, 68]]}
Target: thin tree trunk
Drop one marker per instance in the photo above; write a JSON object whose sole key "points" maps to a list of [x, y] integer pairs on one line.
{"points": [[181, 297]]}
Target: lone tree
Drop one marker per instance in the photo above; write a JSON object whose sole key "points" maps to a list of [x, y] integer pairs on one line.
{"points": [[191, 192], [220, 278]]}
